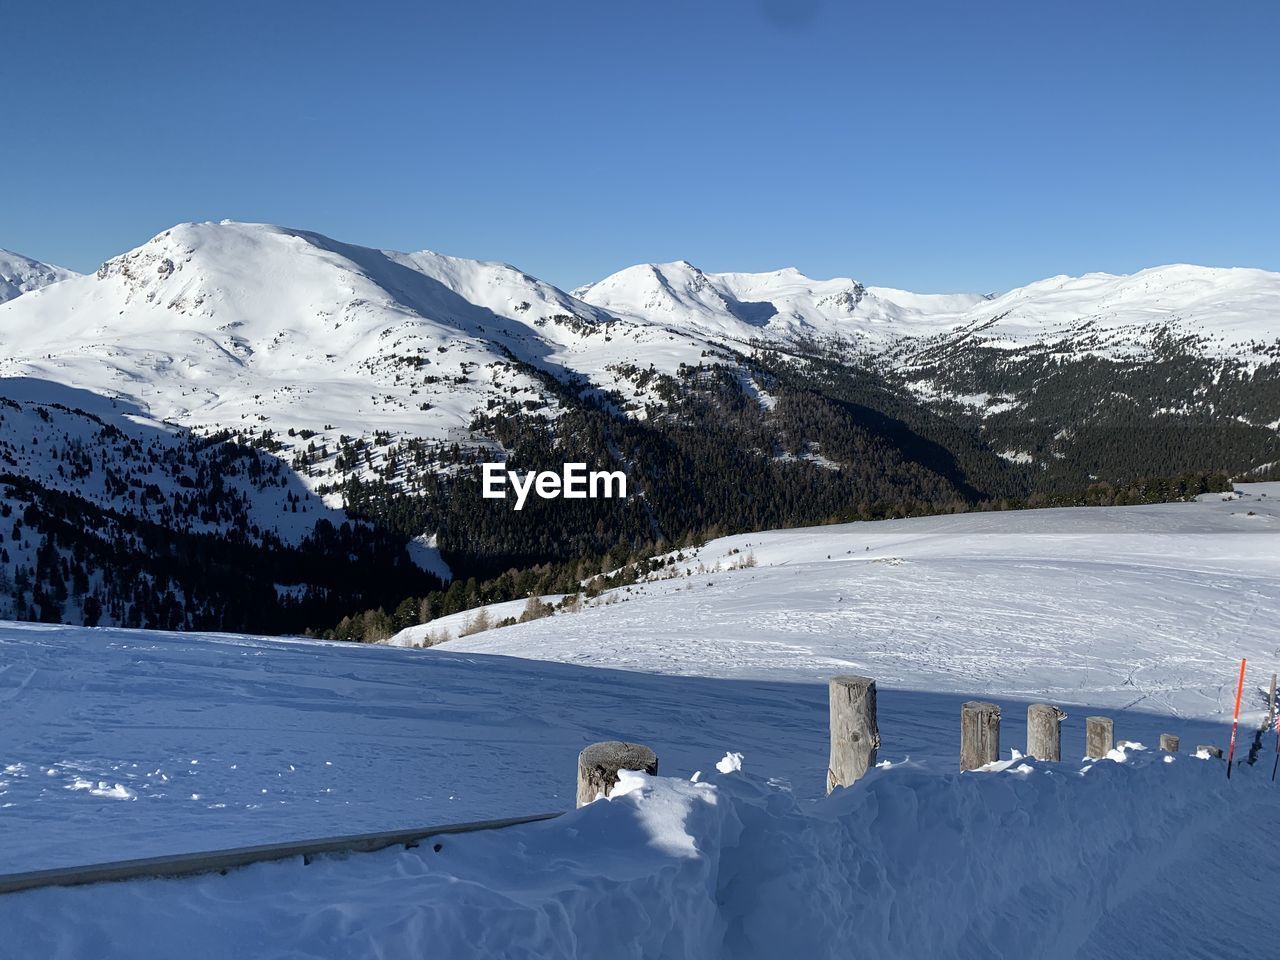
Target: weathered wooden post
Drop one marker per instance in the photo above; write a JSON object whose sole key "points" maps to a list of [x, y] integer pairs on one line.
{"points": [[979, 734], [1210, 749], [1169, 742], [598, 767], [1098, 732], [1044, 731], [1271, 702], [855, 738]]}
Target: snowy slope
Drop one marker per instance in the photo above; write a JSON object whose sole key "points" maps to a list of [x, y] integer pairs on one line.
{"points": [[443, 629], [128, 743], [1139, 612], [19, 274], [1124, 607], [105, 452]]}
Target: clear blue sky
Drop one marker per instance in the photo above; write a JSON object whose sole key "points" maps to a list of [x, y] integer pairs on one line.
{"points": [[933, 146]]}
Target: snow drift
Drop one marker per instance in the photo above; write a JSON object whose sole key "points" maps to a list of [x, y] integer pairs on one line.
{"points": [[1024, 859]]}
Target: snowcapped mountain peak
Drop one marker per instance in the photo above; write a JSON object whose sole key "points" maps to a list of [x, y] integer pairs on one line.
{"points": [[19, 274], [676, 293], [782, 304]]}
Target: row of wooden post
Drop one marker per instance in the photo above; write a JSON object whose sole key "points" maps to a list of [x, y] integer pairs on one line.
{"points": [[855, 739], [855, 735], [980, 734]]}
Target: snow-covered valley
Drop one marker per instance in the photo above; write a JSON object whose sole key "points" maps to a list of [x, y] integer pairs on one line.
{"points": [[124, 744]]}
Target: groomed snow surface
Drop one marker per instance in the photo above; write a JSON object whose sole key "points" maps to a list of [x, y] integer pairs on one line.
{"points": [[1136, 607], [124, 744]]}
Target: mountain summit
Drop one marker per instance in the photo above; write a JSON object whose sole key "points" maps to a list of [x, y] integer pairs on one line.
{"points": [[19, 274]]}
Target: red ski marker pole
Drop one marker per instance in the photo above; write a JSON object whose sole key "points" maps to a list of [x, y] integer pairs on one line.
{"points": [[1231, 751], [1276, 765]]}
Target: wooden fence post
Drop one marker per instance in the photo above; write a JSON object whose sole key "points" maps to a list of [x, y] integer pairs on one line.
{"points": [[1044, 731], [598, 767], [1210, 749], [855, 737], [1098, 732], [1169, 742], [979, 734], [1271, 702]]}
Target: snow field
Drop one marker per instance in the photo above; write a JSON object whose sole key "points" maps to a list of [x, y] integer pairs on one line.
{"points": [[1146, 608]]}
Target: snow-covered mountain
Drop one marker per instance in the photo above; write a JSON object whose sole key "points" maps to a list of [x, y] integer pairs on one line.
{"points": [[1226, 311], [233, 324], [74, 443], [108, 518], [1056, 375], [19, 274], [379, 375], [782, 307], [247, 325], [1220, 312]]}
